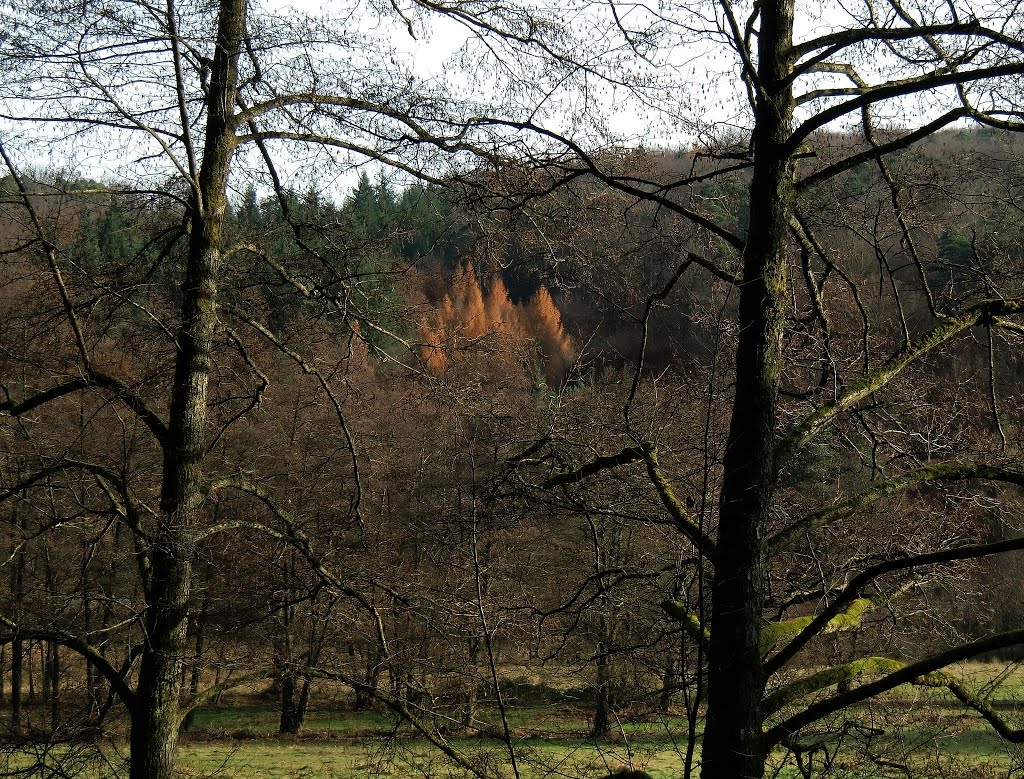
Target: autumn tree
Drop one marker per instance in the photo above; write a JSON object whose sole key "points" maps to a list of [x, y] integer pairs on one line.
{"points": [[467, 320]]}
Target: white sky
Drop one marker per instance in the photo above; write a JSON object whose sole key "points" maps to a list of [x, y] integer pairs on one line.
{"points": [[692, 81]]}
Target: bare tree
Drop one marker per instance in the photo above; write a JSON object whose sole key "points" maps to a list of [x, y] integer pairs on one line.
{"points": [[187, 89], [176, 93], [818, 355]]}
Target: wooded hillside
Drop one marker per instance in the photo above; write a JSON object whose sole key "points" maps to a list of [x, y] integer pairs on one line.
{"points": [[723, 438]]}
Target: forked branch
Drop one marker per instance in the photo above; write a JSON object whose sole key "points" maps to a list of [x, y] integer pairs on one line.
{"points": [[877, 378]]}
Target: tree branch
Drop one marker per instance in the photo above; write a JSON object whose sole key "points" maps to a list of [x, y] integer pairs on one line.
{"points": [[893, 486], [92, 378], [911, 673], [942, 77], [598, 464], [837, 41], [78, 645], [683, 520], [947, 328], [865, 577]]}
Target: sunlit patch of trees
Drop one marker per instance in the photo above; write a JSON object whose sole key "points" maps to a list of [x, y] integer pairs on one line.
{"points": [[469, 319]]}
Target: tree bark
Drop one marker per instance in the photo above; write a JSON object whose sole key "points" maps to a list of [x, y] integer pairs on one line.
{"points": [[17, 658], [294, 701], [371, 679], [603, 694], [53, 671], [471, 685], [733, 745], [44, 668], [17, 646], [30, 662], [156, 713], [199, 647], [670, 682]]}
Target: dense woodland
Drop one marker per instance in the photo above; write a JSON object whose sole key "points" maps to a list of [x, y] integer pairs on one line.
{"points": [[725, 434], [426, 537]]}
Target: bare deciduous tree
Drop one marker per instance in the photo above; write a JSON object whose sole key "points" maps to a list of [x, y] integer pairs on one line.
{"points": [[174, 94], [815, 350]]}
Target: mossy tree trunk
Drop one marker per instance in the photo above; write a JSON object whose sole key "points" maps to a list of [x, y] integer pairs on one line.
{"points": [[733, 745]]}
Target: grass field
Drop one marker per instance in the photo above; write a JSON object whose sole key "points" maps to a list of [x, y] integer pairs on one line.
{"points": [[241, 741], [916, 732]]}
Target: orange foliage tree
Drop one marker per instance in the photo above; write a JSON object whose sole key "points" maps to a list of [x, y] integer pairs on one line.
{"points": [[468, 319]]}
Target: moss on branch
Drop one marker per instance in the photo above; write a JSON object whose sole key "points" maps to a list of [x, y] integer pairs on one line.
{"points": [[683, 519], [689, 621], [828, 677], [943, 471], [876, 666], [851, 619]]}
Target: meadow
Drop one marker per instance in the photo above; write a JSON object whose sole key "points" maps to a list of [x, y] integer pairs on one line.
{"points": [[915, 732]]}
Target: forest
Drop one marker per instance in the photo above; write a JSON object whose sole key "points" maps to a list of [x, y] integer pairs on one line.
{"points": [[364, 421]]}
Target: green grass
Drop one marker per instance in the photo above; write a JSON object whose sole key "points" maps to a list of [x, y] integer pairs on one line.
{"points": [[551, 742], [265, 759], [924, 729], [339, 759], [241, 741], [261, 720]]}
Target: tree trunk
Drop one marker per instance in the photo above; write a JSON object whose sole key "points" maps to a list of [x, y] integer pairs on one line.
{"points": [[289, 722], [733, 743], [53, 669], [30, 663], [471, 684], [200, 645], [155, 720], [44, 667], [156, 713], [302, 705], [197, 667], [371, 679], [603, 699], [605, 541], [17, 663], [90, 688], [51, 658], [286, 723], [17, 646], [294, 701], [669, 682]]}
